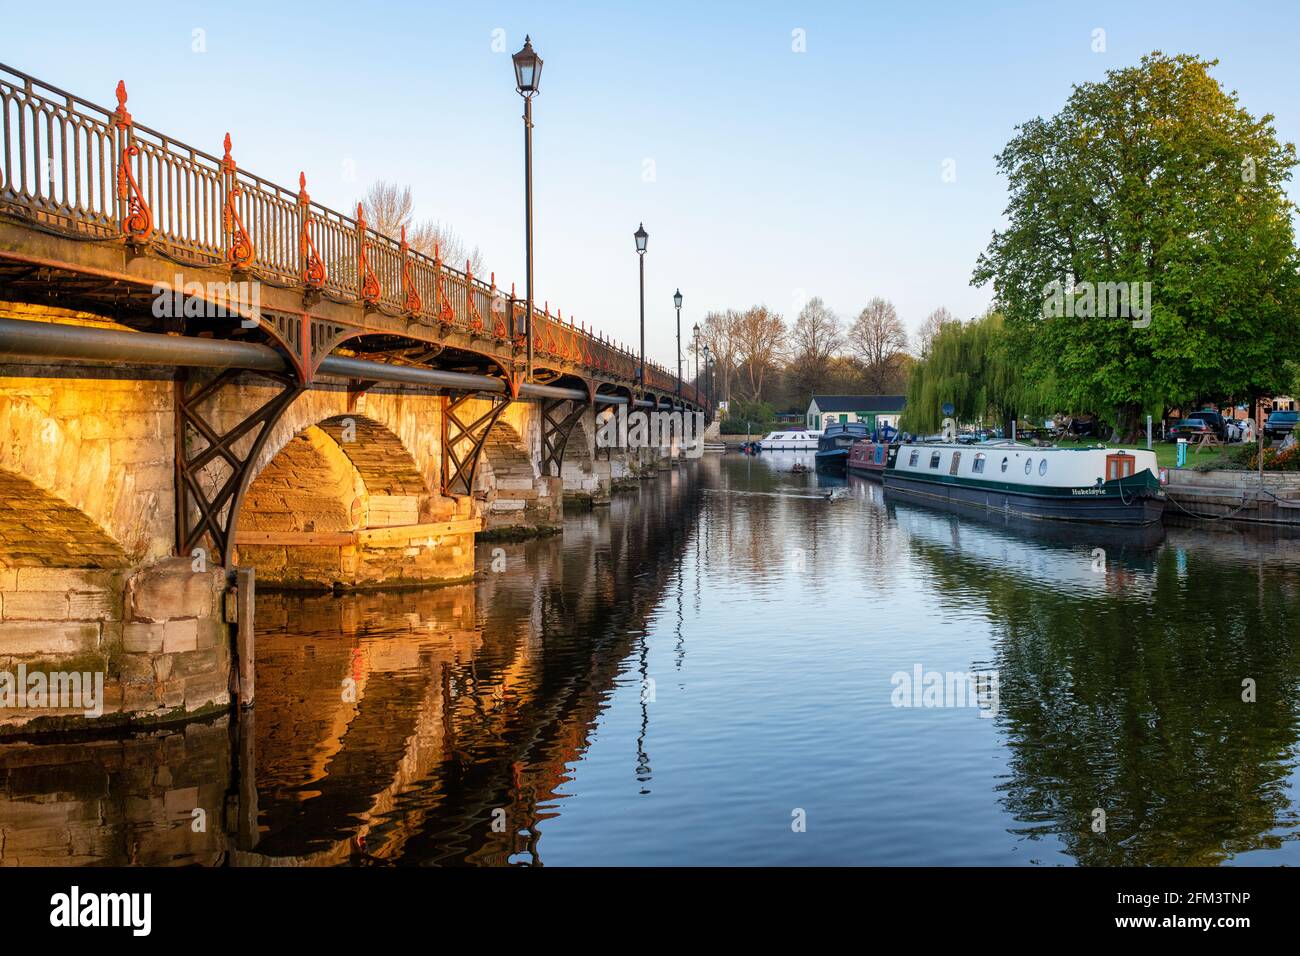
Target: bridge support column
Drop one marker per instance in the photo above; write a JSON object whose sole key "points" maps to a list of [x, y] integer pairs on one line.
{"points": [[624, 469], [516, 497], [585, 468]]}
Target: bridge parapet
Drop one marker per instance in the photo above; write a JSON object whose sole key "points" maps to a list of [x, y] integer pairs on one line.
{"points": [[72, 167]]}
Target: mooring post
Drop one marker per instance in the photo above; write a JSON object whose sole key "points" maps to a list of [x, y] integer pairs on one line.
{"points": [[244, 642], [246, 831]]}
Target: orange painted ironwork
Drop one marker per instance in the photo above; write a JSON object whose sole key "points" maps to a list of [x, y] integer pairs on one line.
{"points": [[313, 268], [239, 252], [176, 200]]}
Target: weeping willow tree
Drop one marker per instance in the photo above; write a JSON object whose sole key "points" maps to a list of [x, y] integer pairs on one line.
{"points": [[973, 366]]}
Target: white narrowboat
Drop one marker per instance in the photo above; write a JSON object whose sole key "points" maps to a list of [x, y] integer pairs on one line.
{"points": [[1094, 484]]}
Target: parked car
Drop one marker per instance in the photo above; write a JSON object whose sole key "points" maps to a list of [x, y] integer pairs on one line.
{"points": [[1191, 429], [1280, 424], [1214, 420]]}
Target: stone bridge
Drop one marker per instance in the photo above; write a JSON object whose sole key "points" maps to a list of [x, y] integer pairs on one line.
{"points": [[201, 371]]}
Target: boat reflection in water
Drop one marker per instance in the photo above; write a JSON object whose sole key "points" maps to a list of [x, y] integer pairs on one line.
{"points": [[1085, 557]]}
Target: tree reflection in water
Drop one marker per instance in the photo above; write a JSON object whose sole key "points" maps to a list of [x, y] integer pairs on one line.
{"points": [[1125, 693]]}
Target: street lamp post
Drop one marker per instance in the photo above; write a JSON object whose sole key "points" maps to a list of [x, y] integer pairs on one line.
{"points": [[677, 301], [708, 378], [641, 236], [695, 348], [528, 72]]}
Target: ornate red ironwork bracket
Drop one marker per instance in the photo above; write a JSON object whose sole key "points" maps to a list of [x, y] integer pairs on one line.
{"points": [[137, 220], [410, 295], [370, 290], [239, 245], [441, 305], [499, 307], [521, 338], [313, 269], [471, 310]]}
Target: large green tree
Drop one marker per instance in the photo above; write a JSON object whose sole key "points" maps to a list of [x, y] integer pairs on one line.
{"points": [[1157, 175]]}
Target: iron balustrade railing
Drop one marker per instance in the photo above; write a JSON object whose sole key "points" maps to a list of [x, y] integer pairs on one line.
{"points": [[78, 168]]}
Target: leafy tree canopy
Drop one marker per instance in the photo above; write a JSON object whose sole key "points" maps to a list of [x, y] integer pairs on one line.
{"points": [[1154, 175]]}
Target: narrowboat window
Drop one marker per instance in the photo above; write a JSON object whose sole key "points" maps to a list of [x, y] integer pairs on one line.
{"points": [[977, 466], [1042, 467], [1004, 464], [911, 462], [934, 460], [1119, 465], [1029, 464], [956, 461]]}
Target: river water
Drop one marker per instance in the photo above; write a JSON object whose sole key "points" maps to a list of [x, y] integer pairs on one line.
{"points": [[715, 669]]}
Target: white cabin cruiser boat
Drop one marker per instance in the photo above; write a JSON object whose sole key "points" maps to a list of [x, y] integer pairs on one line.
{"points": [[790, 441]]}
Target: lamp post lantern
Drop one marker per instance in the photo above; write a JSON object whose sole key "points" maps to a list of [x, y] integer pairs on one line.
{"points": [[677, 301], [641, 236], [528, 72]]}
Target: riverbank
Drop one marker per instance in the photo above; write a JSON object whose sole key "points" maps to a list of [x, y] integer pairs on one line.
{"points": [[1224, 495]]}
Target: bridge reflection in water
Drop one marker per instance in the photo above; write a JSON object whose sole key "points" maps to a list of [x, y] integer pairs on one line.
{"points": [[461, 725], [439, 726]]}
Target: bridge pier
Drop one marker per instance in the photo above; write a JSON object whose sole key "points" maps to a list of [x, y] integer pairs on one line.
{"points": [[587, 475], [515, 497]]}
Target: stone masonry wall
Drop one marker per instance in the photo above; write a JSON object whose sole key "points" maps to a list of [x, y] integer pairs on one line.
{"points": [[157, 636]]}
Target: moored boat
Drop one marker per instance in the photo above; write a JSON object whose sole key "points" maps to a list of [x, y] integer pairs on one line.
{"points": [[790, 441], [837, 438], [1093, 484], [868, 458]]}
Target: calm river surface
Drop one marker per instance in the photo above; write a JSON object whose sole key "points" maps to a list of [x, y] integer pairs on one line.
{"points": [[705, 672]]}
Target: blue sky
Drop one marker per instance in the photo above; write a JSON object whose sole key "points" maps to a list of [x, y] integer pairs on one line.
{"points": [[762, 174]]}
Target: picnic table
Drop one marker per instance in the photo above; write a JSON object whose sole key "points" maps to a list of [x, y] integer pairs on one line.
{"points": [[1205, 441]]}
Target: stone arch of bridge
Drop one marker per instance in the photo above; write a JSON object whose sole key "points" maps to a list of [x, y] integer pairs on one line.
{"points": [[67, 452], [513, 492], [340, 503], [505, 458], [379, 437], [39, 529]]}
